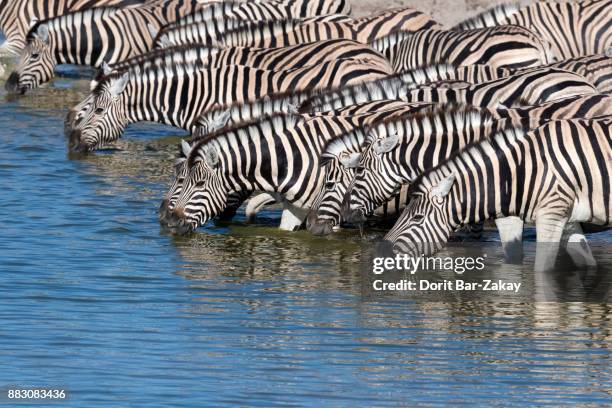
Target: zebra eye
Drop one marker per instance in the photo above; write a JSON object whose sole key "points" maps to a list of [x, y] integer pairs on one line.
{"points": [[35, 56], [99, 111], [360, 171], [330, 185], [418, 217]]}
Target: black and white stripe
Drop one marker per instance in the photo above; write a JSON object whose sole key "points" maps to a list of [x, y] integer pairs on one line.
{"points": [[178, 94], [83, 38], [556, 175], [573, 29], [499, 47], [16, 17]]}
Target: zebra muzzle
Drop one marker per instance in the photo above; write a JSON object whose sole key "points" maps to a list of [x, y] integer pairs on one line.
{"points": [[12, 84], [318, 226]]}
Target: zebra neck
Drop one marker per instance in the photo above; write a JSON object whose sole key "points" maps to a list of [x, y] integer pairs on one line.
{"points": [[139, 106], [488, 185], [428, 151]]}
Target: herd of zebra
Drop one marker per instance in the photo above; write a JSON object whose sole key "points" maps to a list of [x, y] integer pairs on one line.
{"points": [[343, 120]]}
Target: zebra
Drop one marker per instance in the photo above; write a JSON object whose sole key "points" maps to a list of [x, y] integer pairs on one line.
{"points": [[84, 38], [500, 47], [573, 29], [284, 58], [178, 93], [16, 17], [214, 31], [290, 32], [214, 16], [340, 153], [532, 87], [557, 175]]}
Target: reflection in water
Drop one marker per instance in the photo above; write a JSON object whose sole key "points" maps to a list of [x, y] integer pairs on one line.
{"points": [[97, 298]]}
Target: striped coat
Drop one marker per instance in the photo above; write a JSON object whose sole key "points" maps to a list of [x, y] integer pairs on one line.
{"points": [[178, 94], [16, 17], [499, 47], [573, 29], [554, 175]]}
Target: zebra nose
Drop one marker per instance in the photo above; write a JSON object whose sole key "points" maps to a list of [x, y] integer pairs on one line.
{"points": [[75, 142], [12, 83]]}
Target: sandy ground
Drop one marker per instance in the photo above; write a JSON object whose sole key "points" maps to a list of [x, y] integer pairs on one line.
{"points": [[447, 12]]}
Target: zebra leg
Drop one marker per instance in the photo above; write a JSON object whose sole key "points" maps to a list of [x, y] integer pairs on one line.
{"points": [[577, 246], [255, 204], [511, 236], [549, 231], [292, 218]]}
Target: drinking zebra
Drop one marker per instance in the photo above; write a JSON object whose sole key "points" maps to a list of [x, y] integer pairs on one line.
{"points": [[369, 112], [555, 175], [573, 29], [500, 47], [177, 94], [16, 17], [284, 58], [83, 38]]}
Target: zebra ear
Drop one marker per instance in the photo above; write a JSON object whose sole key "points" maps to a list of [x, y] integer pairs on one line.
{"points": [[351, 160], [211, 157], [185, 148], [443, 187], [386, 145], [153, 31], [221, 120], [118, 85], [43, 33], [106, 69]]}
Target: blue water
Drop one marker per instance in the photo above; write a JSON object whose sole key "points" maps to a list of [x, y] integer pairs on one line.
{"points": [[96, 299]]}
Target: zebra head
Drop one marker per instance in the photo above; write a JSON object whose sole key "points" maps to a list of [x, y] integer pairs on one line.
{"points": [[100, 119], [424, 227], [180, 173], [377, 177], [339, 160], [203, 195], [36, 63]]}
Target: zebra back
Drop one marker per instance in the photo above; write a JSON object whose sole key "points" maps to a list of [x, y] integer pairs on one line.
{"points": [[505, 46]]}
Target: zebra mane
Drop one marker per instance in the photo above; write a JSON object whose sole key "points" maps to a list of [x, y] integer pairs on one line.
{"points": [[210, 12], [321, 100], [56, 22], [350, 142], [276, 124], [472, 150], [263, 103], [439, 118], [489, 17], [267, 27], [169, 68], [171, 55]]}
